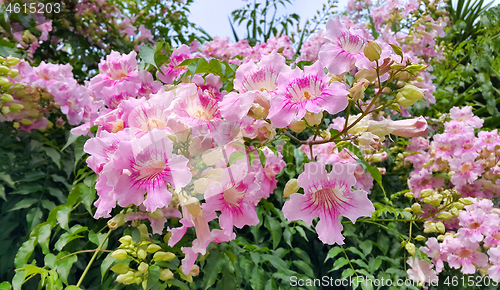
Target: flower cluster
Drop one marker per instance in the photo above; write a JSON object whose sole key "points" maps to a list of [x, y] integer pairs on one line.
{"points": [[33, 93]]}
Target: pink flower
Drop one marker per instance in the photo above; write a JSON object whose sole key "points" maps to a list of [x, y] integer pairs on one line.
{"points": [[494, 271], [305, 91], [234, 197], [466, 169], [488, 140], [475, 224], [171, 71], [345, 49], [328, 196], [463, 254], [466, 116], [433, 251], [409, 128], [147, 165], [115, 69], [421, 271]]}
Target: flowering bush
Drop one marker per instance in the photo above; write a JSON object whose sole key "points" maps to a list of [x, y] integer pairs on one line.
{"points": [[190, 151]]}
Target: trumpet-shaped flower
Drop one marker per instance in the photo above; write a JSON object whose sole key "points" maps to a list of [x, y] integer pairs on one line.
{"points": [[328, 196], [306, 91], [464, 254], [234, 198], [147, 165], [344, 50]]}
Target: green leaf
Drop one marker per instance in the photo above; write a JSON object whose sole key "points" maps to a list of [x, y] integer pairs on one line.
{"points": [[63, 216], [24, 252], [153, 277], [97, 239], [236, 155], [147, 54], [347, 273], [5, 177], [25, 203], [53, 154], [366, 247], [262, 158], [274, 227], [72, 287], [64, 266], [2, 192], [397, 50], [277, 262], [212, 268], [333, 253], [356, 251], [341, 262], [5, 286], [304, 267], [258, 280], [79, 143], [374, 264], [106, 264], [43, 237], [71, 139], [88, 197]]}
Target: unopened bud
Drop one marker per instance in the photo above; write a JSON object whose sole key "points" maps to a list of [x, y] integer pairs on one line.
{"points": [[153, 248], [5, 110], [445, 216], [167, 237], [26, 122], [166, 274], [141, 254], [409, 195], [416, 208], [7, 98], [410, 247], [157, 214], [120, 255], [143, 267], [4, 70], [13, 73], [163, 257], [440, 227], [126, 240], [116, 222], [420, 238], [12, 61], [128, 278], [5, 83], [297, 126], [121, 268], [466, 201], [313, 119], [372, 50], [290, 187], [426, 192], [415, 68]]}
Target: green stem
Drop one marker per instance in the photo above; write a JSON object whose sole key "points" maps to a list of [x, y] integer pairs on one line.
{"points": [[92, 259], [83, 251]]}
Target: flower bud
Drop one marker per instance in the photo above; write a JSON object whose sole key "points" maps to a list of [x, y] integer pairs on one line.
{"points": [[19, 86], [412, 93], [445, 216], [126, 240], [369, 140], [12, 61], [16, 125], [409, 195], [420, 238], [440, 227], [143, 267], [120, 255], [163, 257], [290, 187], [372, 50], [5, 110], [415, 127], [157, 214], [13, 73], [416, 208], [426, 192], [121, 268], [357, 91], [7, 98], [141, 254], [430, 227], [166, 274], [16, 108], [128, 278], [116, 222], [153, 248], [167, 237], [26, 122], [4, 70], [415, 68], [466, 201], [410, 247], [297, 126], [313, 119], [5, 83]]}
